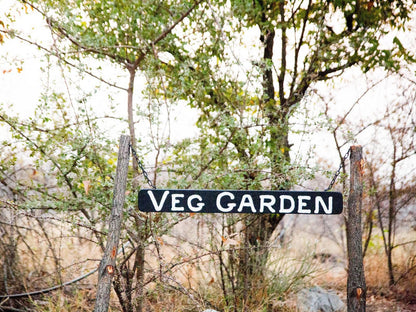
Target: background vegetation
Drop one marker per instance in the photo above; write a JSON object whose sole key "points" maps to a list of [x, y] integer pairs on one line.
{"points": [[276, 92]]}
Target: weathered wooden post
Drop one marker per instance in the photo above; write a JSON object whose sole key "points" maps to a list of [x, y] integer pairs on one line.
{"points": [[356, 288], [107, 265]]}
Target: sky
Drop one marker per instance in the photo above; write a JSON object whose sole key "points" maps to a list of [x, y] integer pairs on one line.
{"points": [[23, 79], [24, 75]]}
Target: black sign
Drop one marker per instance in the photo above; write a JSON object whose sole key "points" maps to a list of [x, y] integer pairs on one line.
{"points": [[226, 201]]}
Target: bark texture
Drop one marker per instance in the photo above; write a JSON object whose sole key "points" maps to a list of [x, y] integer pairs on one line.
{"points": [[108, 263], [356, 288]]}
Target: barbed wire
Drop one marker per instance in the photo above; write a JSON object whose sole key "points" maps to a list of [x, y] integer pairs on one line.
{"points": [[337, 173], [141, 166]]}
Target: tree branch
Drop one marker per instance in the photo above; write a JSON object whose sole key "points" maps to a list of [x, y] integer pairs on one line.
{"points": [[58, 56]]}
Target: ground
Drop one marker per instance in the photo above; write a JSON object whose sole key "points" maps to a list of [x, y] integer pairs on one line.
{"points": [[382, 304]]}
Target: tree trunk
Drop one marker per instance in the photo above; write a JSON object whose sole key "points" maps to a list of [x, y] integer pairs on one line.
{"points": [[130, 113], [108, 263], [138, 266], [392, 218], [259, 228], [356, 287]]}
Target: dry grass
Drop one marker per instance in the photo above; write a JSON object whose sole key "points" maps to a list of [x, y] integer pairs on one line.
{"points": [[404, 262], [195, 283], [48, 254], [65, 301]]}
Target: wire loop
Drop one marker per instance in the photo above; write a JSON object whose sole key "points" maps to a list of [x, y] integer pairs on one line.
{"points": [[141, 166], [337, 173]]}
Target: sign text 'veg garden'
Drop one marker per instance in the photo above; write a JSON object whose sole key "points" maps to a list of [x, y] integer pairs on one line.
{"points": [[228, 201]]}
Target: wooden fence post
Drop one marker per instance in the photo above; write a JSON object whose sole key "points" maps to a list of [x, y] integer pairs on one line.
{"points": [[107, 265], [356, 288]]}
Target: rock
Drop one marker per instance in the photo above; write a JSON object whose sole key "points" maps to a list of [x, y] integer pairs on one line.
{"points": [[316, 299]]}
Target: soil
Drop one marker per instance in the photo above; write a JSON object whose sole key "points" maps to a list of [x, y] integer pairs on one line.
{"points": [[383, 304]]}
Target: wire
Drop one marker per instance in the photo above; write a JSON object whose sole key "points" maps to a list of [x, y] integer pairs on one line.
{"points": [[46, 290], [144, 172], [337, 173]]}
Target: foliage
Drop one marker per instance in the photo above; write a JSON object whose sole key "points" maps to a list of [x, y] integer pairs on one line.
{"points": [[246, 90], [246, 99], [124, 31], [53, 170]]}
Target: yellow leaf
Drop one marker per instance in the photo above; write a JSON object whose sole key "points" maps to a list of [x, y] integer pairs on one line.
{"points": [[160, 241], [19, 70], [111, 161], [167, 160]]}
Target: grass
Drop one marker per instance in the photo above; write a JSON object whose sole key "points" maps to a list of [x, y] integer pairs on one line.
{"points": [[195, 284], [377, 278], [77, 300]]}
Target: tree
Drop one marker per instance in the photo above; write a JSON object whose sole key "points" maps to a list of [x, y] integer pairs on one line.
{"points": [[246, 102], [393, 196], [130, 35], [51, 167], [387, 131]]}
